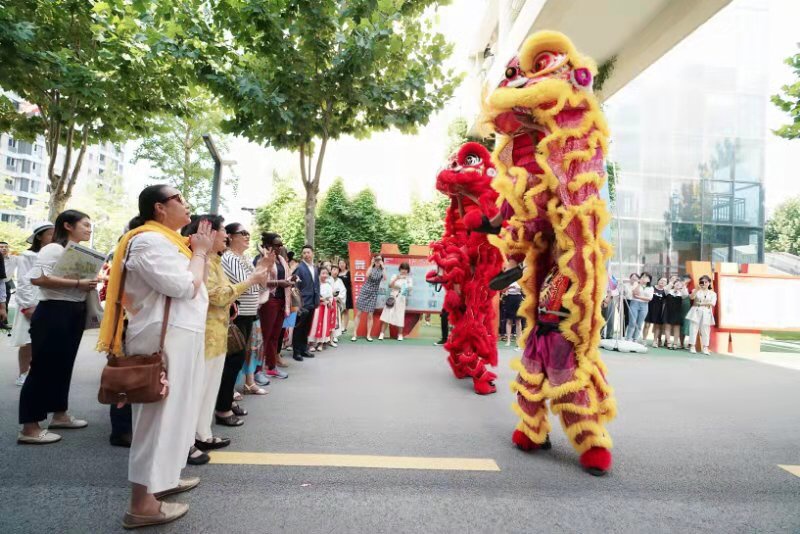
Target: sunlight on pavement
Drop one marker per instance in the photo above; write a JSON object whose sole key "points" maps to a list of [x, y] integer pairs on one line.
{"points": [[348, 460]]}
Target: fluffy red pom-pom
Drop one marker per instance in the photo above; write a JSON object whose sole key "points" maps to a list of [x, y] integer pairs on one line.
{"points": [[473, 219], [596, 460]]}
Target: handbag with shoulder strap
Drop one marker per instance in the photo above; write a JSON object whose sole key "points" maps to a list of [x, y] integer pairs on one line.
{"points": [[135, 378]]}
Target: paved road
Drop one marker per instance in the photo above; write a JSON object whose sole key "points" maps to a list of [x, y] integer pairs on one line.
{"points": [[697, 444]]}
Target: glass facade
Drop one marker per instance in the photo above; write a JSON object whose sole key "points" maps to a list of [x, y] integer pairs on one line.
{"points": [[688, 137]]}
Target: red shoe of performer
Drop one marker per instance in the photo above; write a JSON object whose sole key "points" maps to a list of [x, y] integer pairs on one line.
{"points": [[484, 384], [523, 442], [597, 461]]}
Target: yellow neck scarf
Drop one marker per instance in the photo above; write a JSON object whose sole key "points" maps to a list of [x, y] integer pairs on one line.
{"points": [[110, 321]]}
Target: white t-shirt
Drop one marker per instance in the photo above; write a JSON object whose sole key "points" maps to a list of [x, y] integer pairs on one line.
{"points": [[27, 294], [645, 294], [45, 262], [157, 269]]}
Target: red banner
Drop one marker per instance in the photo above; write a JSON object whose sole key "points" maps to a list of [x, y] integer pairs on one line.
{"points": [[360, 258]]}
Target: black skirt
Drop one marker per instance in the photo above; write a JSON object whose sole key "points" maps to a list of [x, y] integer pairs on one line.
{"points": [[673, 314], [348, 286], [511, 306], [655, 310]]}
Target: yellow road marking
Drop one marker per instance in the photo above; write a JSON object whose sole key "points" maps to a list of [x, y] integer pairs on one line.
{"points": [[793, 469], [351, 460]]}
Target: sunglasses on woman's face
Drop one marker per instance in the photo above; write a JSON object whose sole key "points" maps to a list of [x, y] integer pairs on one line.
{"points": [[243, 233], [176, 196]]}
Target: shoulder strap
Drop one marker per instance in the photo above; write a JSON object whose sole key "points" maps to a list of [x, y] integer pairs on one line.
{"points": [[118, 309], [164, 324]]}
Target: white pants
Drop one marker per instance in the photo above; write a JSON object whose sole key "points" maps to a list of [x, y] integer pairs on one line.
{"points": [[208, 400], [705, 332], [163, 431]]}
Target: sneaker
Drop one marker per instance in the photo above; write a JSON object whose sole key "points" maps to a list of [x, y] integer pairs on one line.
{"points": [[277, 373], [508, 343], [427, 323], [21, 379], [261, 379], [400, 337], [692, 351], [706, 351], [440, 342]]}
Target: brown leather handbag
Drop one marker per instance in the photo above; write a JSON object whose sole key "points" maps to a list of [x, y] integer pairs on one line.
{"points": [[135, 378]]}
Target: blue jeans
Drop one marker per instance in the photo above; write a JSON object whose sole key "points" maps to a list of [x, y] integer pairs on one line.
{"points": [[637, 314]]}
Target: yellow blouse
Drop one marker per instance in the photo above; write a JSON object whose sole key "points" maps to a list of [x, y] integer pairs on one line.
{"points": [[221, 294]]}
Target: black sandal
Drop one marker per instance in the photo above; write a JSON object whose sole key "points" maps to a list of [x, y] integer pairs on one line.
{"points": [[238, 410], [230, 420], [215, 443], [201, 459]]}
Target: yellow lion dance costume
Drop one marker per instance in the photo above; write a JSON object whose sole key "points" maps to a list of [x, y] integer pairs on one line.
{"points": [[552, 138]]}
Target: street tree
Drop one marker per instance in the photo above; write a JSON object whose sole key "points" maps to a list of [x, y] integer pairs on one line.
{"points": [[176, 149], [790, 102], [283, 214], [782, 231], [96, 71], [312, 71], [426, 221]]}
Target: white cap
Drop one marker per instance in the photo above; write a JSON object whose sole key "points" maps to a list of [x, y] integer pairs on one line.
{"points": [[38, 228]]}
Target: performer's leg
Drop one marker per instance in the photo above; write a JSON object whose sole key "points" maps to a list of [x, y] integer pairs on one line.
{"points": [[533, 429], [581, 418]]}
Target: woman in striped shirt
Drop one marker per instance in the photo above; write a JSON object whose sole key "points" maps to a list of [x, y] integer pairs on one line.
{"points": [[239, 267]]}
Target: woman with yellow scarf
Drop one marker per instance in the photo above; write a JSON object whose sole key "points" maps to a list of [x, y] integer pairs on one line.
{"points": [[160, 264]]}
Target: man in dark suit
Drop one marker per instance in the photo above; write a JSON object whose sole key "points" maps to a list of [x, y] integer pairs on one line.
{"points": [[308, 284]]}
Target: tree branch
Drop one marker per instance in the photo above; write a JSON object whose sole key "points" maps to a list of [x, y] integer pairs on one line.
{"points": [[303, 164], [76, 169], [320, 156], [67, 156]]}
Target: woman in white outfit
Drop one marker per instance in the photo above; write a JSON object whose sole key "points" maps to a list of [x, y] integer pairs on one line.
{"points": [[399, 288], [701, 315], [27, 297], [161, 264]]}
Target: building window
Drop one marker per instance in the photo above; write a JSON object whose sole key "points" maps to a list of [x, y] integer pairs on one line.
{"points": [[25, 148], [5, 217], [35, 187], [26, 166], [12, 144], [9, 184], [11, 163], [22, 202], [102, 157], [23, 184]]}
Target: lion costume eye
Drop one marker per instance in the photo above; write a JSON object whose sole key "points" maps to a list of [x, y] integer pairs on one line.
{"points": [[472, 160], [544, 61], [511, 73]]}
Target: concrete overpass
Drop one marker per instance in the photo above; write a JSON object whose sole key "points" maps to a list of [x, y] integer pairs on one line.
{"points": [[637, 32]]}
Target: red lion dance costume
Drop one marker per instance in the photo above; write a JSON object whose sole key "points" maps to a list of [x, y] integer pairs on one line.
{"points": [[551, 141], [466, 263]]}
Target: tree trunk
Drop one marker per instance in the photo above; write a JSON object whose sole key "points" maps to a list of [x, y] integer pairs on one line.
{"points": [[58, 201], [311, 185], [311, 215]]}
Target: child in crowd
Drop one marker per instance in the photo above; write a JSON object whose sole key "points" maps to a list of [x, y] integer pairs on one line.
{"points": [[673, 314]]}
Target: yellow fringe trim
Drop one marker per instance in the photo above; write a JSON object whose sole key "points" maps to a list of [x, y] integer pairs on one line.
{"points": [[534, 421], [598, 438], [536, 437]]}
